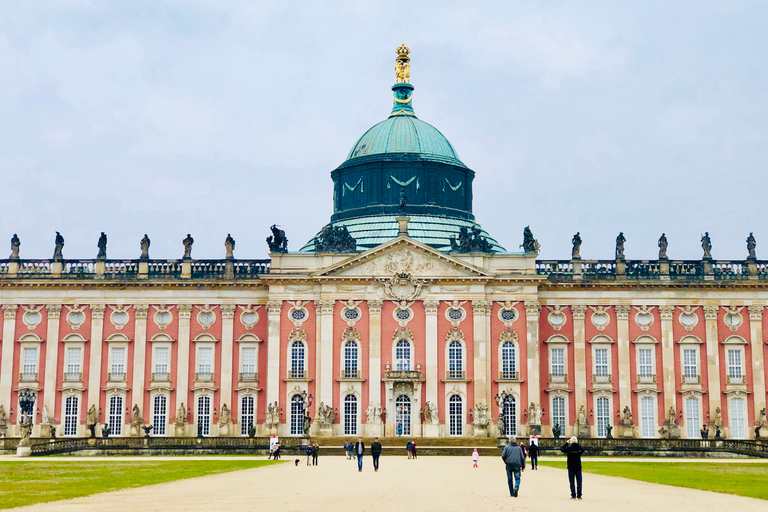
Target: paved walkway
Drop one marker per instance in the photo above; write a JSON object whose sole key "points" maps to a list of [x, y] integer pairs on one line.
{"points": [[426, 484]]}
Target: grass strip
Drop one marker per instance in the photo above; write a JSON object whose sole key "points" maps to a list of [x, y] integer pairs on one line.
{"points": [[26, 483], [732, 478]]}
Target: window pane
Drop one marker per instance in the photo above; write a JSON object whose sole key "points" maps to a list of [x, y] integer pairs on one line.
{"points": [[603, 416], [692, 418], [297, 415], [648, 417], [558, 361], [350, 415], [403, 355], [738, 416], [161, 359], [558, 413], [70, 415], [247, 417], [204, 415], [249, 360], [30, 361], [508, 363], [115, 416], [205, 360], [73, 360], [455, 416], [118, 361], [297, 360], [350, 360]]}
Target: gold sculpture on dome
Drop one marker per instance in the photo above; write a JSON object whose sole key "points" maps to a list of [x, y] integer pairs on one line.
{"points": [[403, 65]]}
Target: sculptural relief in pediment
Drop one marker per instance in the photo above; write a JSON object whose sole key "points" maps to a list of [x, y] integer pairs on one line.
{"points": [[406, 261]]}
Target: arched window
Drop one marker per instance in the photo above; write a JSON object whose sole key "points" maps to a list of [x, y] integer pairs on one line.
{"points": [[508, 362], [247, 409], [71, 406], [558, 414], [737, 416], [403, 416], [160, 414], [203, 415], [297, 415], [603, 416], [403, 355], [350, 415], [648, 417], [692, 418], [350, 360], [115, 420], [510, 416], [455, 360], [455, 415], [297, 360]]}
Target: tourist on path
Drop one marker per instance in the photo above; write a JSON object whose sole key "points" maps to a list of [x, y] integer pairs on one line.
{"points": [[408, 448], [347, 450], [315, 453], [308, 453], [515, 460], [475, 457], [573, 450], [533, 454], [413, 449], [359, 452], [376, 453]]}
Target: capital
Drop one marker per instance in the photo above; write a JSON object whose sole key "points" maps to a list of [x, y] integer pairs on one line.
{"points": [[666, 312], [97, 310], [9, 311], [480, 307], [185, 310], [710, 312], [274, 307], [756, 312], [532, 309], [430, 306], [141, 310], [622, 312], [374, 306], [228, 310], [54, 310], [579, 312]]}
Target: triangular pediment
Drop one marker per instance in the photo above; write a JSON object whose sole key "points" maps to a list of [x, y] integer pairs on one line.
{"points": [[403, 255]]}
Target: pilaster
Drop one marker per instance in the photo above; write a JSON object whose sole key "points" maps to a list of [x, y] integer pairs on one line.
{"points": [[713, 358], [51, 355], [667, 370], [579, 357], [6, 370], [97, 337], [182, 370], [325, 354], [758, 357], [138, 385], [374, 349], [625, 382], [480, 322], [274, 307], [533, 381], [432, 378], [227, 355]]}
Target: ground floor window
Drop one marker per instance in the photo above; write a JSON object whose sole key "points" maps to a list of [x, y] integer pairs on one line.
{"points": [[204, 415], [115, 420], [403, 416], [648, 417], [159, 415], [297, 415], [510, 417], [558, 414], [455, 415], [247, 408], [603, 416], [70, 415], [737, 413], [350, 415], [692, 418]]}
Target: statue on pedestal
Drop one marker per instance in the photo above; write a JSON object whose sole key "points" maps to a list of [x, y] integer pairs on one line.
{"points": [[278, 241], [481, 416], [626, 418], [500, 425], [706, 244], [15, 244], [58, 248], [576, 241], [751, 245], [46, 416], [3, 421], [534, 415], [530, 244], [188, 246], [181, 420], [145, 247], [225, 419], [620, 246], [229, 246], [136, 421], [102, 245], [663, 247], [92, 419]]}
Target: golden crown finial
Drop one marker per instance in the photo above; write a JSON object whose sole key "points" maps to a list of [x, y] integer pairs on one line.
{"points": [[403, 50], [402, 64]]}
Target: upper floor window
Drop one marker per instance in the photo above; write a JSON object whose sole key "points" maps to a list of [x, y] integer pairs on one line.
{"points": [[74, 363], [204, 363], [735, 366], [162, 359], [297, 360], [29, 366], [601, 362], [350, 360], [645, 365], [690, 365], [508, 362], [557, 365], [403, 355], [455, 360], [118, 361], [248, 361]]}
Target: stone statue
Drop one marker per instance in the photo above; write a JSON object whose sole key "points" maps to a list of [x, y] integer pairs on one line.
{"points": [[229, 246], [335, 239], [500, 426], [620, 246], [663, 247], [145, 247], [370, 414], [672, 417], [102, 245], [224, 418], [762, 421], [717, 433], [530, 244], [470, 241], [556, 431], [307, 423], [136, 419], [717, 419], [751, 244], [704, 432], [188, 246], [481, 416], [57, 255], [608, 429], [277, 242], [15, 244], [626, 418], [92, 419], [105, 431], [25, 429], [181, 417], [576, 241], [273, 416], [582, 419], [46, 416], [534, 415], [430, 414], [706, 244], [3, 421]]}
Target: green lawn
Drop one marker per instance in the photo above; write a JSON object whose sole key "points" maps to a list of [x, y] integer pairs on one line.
{"points": [[28, 482], [729, 478]]}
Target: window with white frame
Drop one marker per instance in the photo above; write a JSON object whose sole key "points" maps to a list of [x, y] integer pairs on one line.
{"points": [[161, 369], [350, 415], [455, 415], [248, 364], [691, 365], [117, 367], [510, 416], [508, 361], [204, 415], [738, 416], [692, 418], [350, 360], [297, 415], [403, 355], [115, 416], [648, 417], [29, 364], [160, 414], [602, 368], [558, 413], [603, 416], [403, 416], [205, 363], [557, 364], [297, 360], [735, 366], [71, 406], [645, 373], [74, 364], [455, 360], [247, 414]]}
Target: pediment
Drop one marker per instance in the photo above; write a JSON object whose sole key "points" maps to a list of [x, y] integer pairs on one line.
{"points": [[403, 255]]}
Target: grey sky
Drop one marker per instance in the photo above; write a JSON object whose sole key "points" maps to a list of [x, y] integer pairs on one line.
{"points": [[216, 117]]}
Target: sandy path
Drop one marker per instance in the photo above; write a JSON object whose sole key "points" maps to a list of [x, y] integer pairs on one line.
{"points": [[426, 484]]}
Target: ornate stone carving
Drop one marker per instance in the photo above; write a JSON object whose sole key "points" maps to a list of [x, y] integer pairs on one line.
{"points": [[622, 312], [58, 247], [751, 245], [508, 335], [430, 306], [557, 317], [350, 334], [140, 310], [277, 242], [600, 317], [350, 312], [229, 247], [335, 239], [663, 247], [430, 414], [480, 307], [185, 310], [530, 244], [187, 242], [579, 312], [76, 316], [274, 307], [532, 309], [644, 317], [756, 312], [480, 419], [620, 247], [272, 419], [402, 333], [298, 334], [454, 334], [626, 418], [576, 251], [470, 241], [534, 414], [144, 244], [403, 287], [206, 317], [228, 310], [31, 316], [225, 418], [374, 306], [298, 313], [102, 245], [373, 414], [706, 245], [9, 311], [54, 310], [325, 416], [249, 316], [666, 312], [15, 244], [163, 316], [325, 306], [710, 312], [97, 310]]}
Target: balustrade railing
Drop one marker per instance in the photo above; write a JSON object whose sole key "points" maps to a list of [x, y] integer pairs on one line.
{"points": [[204, 377], [735, 379], [116, 377], [509, 375], [28, 377], [161, 377], [646, 379], [455, 375], [691, 270], [407, 375], [691, 379], [248, 377], [350, 374], [73, 376], [558, 377], [601, 379]]}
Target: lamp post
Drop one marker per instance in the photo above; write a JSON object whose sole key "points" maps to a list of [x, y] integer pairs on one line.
{"points": [[26, 421]]}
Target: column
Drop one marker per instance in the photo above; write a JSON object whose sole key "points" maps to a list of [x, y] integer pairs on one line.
{"points": [[666, 373], [432, 378], [325, 354], [579, 358], [94, 371], [139, 358], [374, 353], [51, 356], [480, 320], [6, 370], [533, 382], [624, 376], [227, 355], [758, 363], [713, 359], [274, 307], [182, 362]]}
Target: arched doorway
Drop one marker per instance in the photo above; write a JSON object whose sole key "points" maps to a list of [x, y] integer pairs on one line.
{"points": [[510, 416], [403, 416]]}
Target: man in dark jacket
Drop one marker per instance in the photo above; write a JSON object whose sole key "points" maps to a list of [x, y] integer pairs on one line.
{"points": [[376, 453], [359, 452], [573, 450], [533, 453], [514, 458]]}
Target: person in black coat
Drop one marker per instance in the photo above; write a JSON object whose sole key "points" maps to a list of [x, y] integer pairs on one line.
{"points": [[359, 452], [573, 450], [533, 454]]}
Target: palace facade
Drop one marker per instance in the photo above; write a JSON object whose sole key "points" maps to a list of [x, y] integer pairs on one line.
{"points": [[400, 317]]}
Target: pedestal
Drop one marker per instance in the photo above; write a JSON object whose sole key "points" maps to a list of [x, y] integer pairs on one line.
{"points": [[503, 441], [23, 451], [225, 430], [134, 431], [431, 430], [583, 432], [625, 431], [179, 431], [325, 432], [534, 430], [764, 433], [45, 431], [373, 430], [481, 432]]}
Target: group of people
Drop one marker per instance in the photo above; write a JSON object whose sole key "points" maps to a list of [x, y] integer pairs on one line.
{"points": [[514, 456], [312, 451], [410, 447], [274, 451], [357, 451]]}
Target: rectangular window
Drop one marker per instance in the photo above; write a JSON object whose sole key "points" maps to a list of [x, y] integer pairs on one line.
{"points": [[557, 364], [247, 417], [248, 365], [205, 360], [690, 365], [162, 357], [204, 415], [645, 365], [737, 418], [115, 416], [603, 416], [159, 415], [118, 362], [29, 368], [648, 417], [73, 364], [350, 415], [692, 418], [70, 415], [735, 369], [558, 413], [602, 371]]}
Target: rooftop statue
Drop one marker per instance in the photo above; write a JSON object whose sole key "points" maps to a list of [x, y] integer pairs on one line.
{"points": [[57, 255], [335, 239], [575, 252], [277, 242], [620, 246], [15, 243], [229, 246], [751, 244], [102, 245], [530, 244], [145, 247], [663, 247], [706, 244], [188, 246], [403, 65], [470, 241]]}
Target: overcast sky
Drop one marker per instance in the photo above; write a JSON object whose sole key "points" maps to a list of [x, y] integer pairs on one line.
{"points": [[216, 117]]}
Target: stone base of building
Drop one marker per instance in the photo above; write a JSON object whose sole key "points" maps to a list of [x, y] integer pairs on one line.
{"points": [[325, 432], [481, 432]]}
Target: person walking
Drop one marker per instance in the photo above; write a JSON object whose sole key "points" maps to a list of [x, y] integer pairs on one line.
{"points": [[515, 461], [533, 454], [413, 449], [277, 451], [475, 457], [359, 452], [308, 453], [315, 453], [408, 448], [573, 450], [376, 453], [347, 449]]}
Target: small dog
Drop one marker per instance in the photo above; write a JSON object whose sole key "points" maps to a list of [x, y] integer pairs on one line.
{"points": [[296, 462]]}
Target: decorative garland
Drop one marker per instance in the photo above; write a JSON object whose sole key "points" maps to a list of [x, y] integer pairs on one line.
{"points": [[352, 189], [451, 186]]}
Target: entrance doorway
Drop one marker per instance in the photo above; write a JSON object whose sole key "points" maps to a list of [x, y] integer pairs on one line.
{"points": [[403, 416]]}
